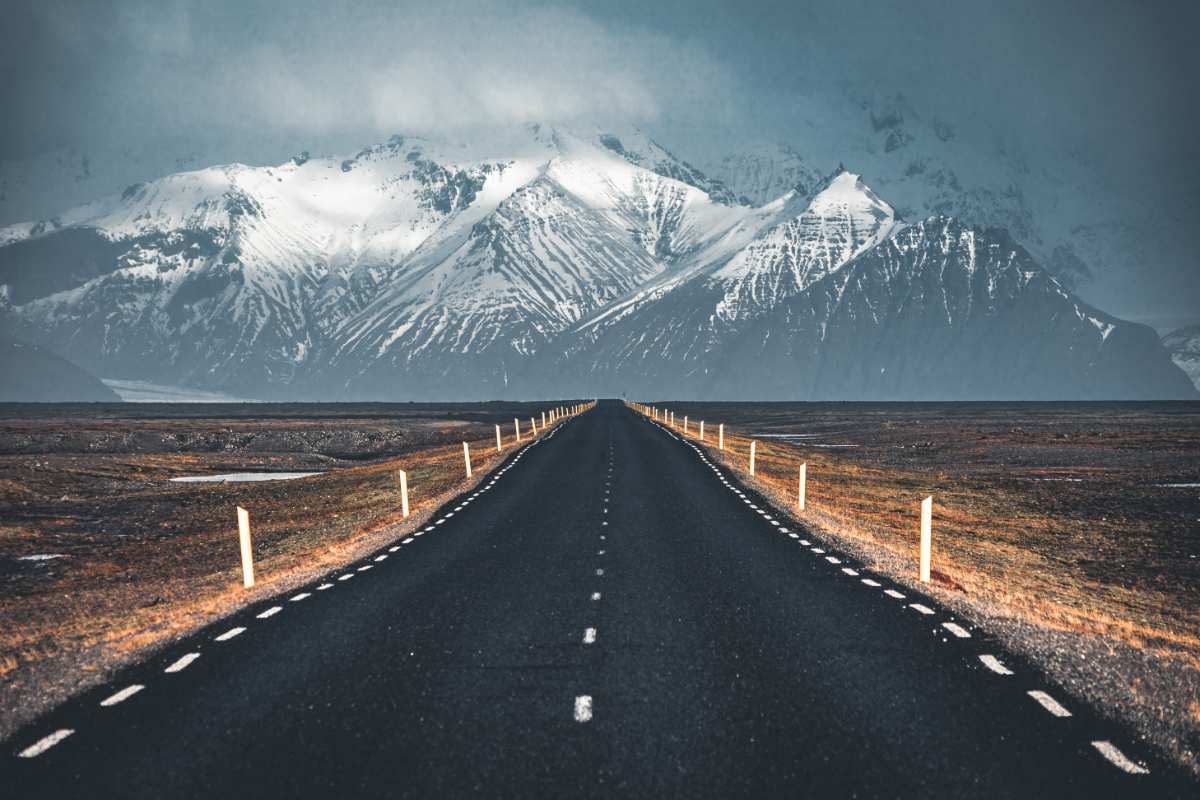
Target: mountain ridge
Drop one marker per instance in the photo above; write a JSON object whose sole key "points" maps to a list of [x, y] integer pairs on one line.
{"points": [[425, 269]]}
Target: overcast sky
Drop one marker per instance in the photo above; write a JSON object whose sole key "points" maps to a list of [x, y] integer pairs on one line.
{"points": [[253, 81]]}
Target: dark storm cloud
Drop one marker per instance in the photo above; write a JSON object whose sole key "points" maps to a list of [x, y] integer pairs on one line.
{"points": [[1107, 83]]}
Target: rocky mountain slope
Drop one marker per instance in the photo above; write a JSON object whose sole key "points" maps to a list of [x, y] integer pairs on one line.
{"points": [[34, 375], [1184, 347], [541, 258]]}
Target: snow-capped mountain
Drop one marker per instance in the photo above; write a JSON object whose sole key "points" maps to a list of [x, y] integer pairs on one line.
{"points": [[1184, 347], [842, 301], [542, 259]]}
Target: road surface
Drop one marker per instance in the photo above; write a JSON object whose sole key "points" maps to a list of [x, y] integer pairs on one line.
{"points": [[609, 615]]}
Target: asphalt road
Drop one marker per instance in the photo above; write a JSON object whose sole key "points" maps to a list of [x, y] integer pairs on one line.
{"points": [[607, 618]]}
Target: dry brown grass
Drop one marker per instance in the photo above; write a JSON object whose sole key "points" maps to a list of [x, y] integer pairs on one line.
{"points": [[993, 544], [123, 596]]}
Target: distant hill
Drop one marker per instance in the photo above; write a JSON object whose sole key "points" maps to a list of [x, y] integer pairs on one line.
{"points": [[34, 375]]}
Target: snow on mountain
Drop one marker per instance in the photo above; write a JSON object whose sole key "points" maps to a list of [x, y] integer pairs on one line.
{"points": [[1076, 228], [843, 302], [1184, 347]]}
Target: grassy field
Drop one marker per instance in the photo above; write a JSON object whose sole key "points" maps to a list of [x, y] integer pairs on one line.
{"points": [[1072, 528], [140, 560]]}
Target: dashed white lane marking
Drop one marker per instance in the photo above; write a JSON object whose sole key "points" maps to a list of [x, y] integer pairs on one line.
{"points": [[121, 696], [583, 708], [182, 663], [448, 516], [364, 567], [601, 552], [995, 665], [871, 583], [794, 535], [42, 745], [346, 577], [301, 596], [893, 593], [923, 609], [381, 557], [595, 596], [789, 533], [270, 612], [589, 636], [849, 571], [805, 542], [833, 560], [324, 586], [427, 530], [409, 540], [599, 573], [957, 630], [1118, 759], [393, 548], [1049, 703], [229, 634], [602, 537], [440, 521], [604, 523]]}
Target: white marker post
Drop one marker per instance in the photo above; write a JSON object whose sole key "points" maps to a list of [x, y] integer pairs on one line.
{"points": [[672, 419], [752, 446], [497, 438], [533, 424], [403, 493], [926, 537], [517, 429], [543, 420], [803, 481], [467, 457], [685, 424], [243, 517], [702, 430], [721, 436]]}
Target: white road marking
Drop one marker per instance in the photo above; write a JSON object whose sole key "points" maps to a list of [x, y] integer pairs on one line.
{"points": [[849, 571], [229, 634], [300, 597], [393, 548], [381, 558], [601, 552], [270, 612], [595, 596], [923, 609], [793, 535], [427, 530], [346, 577], [583, 708], [818, 550], [833, 560], [1049, 703], [44, 744], [893, 593], [460, 508], [957, 630], [789, 533], [182, 663], [121, 696], [364, 568], [604, 523], [440, 521], [324, 586], [589, 636], [409, 540], [871, 583], [994, 664], [805, 542], [449, 514], [599, 573], [1118, 759]]}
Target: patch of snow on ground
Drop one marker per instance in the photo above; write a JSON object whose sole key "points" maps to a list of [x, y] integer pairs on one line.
{"points": [[143, 392]]}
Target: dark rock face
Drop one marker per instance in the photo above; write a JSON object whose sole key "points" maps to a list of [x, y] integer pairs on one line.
{"points": [[937, 311], [34, 375]]}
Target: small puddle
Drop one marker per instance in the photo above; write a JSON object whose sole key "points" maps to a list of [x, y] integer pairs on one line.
{"points": [[244, 477]]}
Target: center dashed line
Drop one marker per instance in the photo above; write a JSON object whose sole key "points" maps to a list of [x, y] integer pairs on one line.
{"points": [[230, 634], [182, 663], [122, 696], [1049, 703]]}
